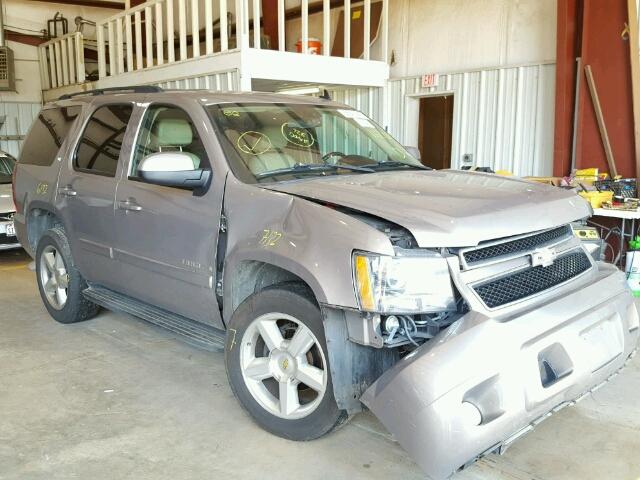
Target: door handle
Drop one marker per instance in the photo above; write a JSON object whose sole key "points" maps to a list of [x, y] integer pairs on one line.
{"points": [[129, 205], [67, 191]]}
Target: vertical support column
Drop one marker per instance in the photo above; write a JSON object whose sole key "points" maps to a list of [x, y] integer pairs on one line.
{"points": [[224, 26], [58, 57], [347, 28], [634, 50], [44, 68], [102, 64], [182, 28], [367, 30], [385, 31], [159, 35], [138, 27], [129, 39], [71, 45], [242, 25], [326, 27], [148, 31], [195, 28], [64, 60], [52, 66], [79, 48], [111, 38], [208, 21], [120, 45], [171, 56], [256, 24], [305, 26], [282, 46]]}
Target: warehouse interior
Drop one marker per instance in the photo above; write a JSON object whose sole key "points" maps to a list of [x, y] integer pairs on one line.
{"points": [[515, 129]]}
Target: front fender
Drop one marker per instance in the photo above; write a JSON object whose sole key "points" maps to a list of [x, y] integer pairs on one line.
{"points": [[309, 240]]}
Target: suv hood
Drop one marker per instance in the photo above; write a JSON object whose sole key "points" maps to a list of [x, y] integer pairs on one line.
{"points": [[6, 198], [447, 208]]}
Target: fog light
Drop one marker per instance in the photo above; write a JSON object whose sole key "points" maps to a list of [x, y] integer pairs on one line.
{"points": [[391, 323], [470, 414]]}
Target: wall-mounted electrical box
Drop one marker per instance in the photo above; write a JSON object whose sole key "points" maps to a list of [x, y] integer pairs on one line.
{"points": [[7, 70]]}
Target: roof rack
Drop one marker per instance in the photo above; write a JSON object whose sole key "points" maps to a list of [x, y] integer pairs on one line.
{"points": [[102, 91]]}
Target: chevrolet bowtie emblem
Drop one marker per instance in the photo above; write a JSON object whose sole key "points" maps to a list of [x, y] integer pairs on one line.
{"points": [[285, 364], [543, 257]]}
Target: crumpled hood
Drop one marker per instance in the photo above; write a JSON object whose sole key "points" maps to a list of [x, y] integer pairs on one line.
{"points": [[448, 208], [6, 198]]}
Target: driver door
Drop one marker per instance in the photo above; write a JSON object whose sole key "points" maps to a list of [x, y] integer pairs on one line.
{"points": [[166, 236]]}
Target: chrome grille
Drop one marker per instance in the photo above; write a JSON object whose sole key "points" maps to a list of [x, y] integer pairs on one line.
{"points": [[516, 246], [532, 280]]}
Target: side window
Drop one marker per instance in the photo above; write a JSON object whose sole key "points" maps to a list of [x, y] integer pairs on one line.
{"points": [[167, 128], [47, 134], [99, 147]]}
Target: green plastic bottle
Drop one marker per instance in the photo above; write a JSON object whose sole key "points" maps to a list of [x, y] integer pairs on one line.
{"points": [[633, 266]]}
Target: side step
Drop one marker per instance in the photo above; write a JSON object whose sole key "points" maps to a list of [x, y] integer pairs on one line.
{"points": [[195, 333]]}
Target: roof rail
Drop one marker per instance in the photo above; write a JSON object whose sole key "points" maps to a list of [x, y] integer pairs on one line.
{"points": [[102, 91]]}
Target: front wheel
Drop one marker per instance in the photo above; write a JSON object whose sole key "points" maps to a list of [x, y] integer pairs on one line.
{"points": [[277, 364]]}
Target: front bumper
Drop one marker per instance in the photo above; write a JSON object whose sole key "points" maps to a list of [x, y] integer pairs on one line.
{"points": [[7, 242], [572, 345]]}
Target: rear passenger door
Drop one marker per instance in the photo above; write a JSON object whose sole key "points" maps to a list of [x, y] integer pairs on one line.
{"points": [[166, 236], [87, 187]]}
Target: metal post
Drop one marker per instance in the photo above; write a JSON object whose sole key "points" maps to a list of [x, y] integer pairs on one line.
{"points": [[622, 234]]}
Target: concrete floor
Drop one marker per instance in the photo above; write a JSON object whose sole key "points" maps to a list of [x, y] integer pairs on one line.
{"points": [[116, 398]]}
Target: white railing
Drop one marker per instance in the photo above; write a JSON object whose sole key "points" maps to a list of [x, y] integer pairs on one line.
{"points": [[161, 32], [62, 61]]}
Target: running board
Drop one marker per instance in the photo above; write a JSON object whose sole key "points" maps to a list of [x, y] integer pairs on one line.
{"points": [[195, 333]]}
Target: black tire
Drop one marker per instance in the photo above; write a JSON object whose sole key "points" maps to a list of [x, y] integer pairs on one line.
{"points": [[293, 302], [77, 308]]}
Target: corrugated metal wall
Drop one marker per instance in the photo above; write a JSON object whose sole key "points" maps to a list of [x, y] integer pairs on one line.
{"points": [[18, 119], [223, 81], [503, 116], [367, 100]]}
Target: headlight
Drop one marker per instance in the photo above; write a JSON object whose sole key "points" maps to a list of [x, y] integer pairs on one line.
{"points": [[411, 284]]}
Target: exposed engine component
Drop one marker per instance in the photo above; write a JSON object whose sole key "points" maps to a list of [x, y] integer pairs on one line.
{"points": [[400, 237], [414, 330]]}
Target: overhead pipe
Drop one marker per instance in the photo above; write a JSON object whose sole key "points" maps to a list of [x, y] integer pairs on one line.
{"points": [[1, 24]]}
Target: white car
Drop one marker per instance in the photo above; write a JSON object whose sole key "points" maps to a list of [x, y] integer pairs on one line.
{"points": [[8, 239]]}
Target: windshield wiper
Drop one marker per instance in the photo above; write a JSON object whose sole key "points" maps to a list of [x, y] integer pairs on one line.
{"points": [[312, 168], [395, 163]]}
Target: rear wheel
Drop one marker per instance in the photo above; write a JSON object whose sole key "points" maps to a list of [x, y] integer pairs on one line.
{"points": [[277, 365], [59, 281]]}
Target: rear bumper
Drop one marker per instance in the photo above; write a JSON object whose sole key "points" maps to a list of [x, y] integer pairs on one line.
{"points": [[572, 345]]}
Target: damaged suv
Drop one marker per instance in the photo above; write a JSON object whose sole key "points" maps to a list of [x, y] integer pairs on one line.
{"points": [[333, 268]]}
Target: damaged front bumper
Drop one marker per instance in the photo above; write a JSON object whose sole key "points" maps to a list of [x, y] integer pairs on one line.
{"points": [[485, 382]]}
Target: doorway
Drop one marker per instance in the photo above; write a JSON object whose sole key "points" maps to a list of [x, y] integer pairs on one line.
{"points": [[435, 127]]}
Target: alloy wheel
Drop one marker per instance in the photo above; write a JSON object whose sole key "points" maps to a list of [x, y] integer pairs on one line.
{"points": [[283, 366], [54, 277]]}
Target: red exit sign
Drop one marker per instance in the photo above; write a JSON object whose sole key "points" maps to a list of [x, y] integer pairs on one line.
{"points": [[430, 80]]}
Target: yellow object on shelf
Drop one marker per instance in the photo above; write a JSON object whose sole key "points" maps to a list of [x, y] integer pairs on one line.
{"points": [[596, 198], [588, 176]]}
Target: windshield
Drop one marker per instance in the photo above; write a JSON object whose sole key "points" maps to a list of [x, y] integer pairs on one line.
{"points": [[276, 142], [7, 164]]}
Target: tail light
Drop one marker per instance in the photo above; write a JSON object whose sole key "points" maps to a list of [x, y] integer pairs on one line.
{"points": [[13, 185]]}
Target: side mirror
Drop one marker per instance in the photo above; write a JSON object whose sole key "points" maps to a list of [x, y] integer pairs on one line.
{"points": [[173, 169], [414, 151]]}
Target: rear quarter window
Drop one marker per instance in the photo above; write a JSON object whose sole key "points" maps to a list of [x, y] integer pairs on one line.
{"points": [[48, 133]]}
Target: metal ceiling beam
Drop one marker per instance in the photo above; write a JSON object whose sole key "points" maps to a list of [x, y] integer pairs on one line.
{"points": [[87, 3]]}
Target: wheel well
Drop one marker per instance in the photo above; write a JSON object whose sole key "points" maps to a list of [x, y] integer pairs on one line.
{"points": [[253, 276], [39, 221]]}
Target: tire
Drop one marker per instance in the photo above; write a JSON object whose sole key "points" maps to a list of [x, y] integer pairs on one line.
{"points": [[283, 306], [75, 308]]}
